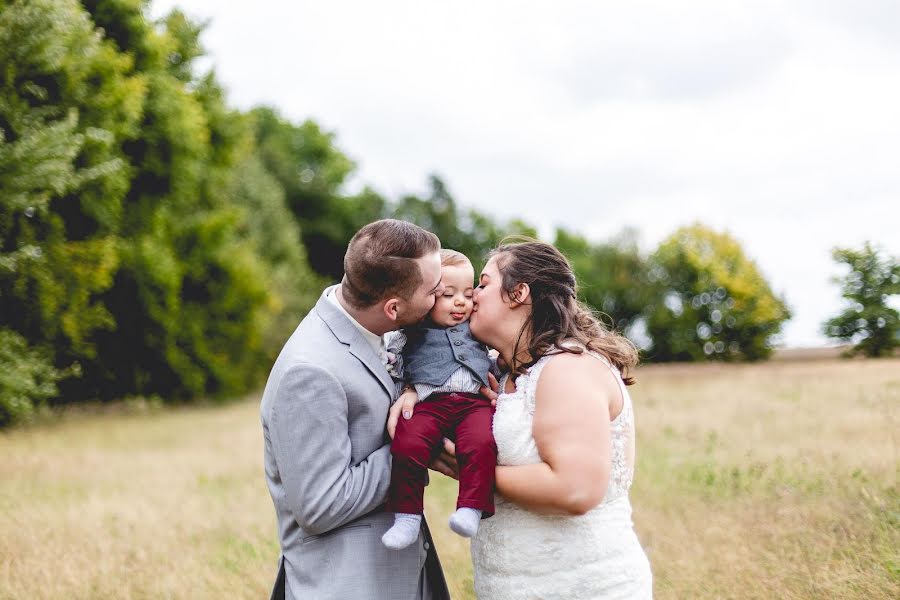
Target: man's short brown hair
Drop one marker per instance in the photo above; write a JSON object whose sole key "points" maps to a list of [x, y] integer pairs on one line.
{"points": [[381, 261]]}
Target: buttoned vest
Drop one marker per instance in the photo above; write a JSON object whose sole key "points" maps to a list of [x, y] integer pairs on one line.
{"points": [[432, 354]]}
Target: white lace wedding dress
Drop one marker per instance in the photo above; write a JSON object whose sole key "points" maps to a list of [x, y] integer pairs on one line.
{"points": [[518, 554]]}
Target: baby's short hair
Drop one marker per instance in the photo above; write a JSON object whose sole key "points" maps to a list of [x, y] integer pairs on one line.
{"points": [[452, 258]]}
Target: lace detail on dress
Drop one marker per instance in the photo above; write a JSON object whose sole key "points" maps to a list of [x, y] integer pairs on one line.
{"points": [[621, 431], [518, 554]]}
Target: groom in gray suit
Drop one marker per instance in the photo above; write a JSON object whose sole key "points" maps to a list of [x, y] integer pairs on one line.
{"points": [[324, 409]]}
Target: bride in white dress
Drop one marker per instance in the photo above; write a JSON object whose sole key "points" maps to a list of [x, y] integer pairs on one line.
{"points": [[564, 428]]}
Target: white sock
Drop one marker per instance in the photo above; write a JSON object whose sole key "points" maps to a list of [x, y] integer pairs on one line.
{"points": [[404, 532], [465, 521]]}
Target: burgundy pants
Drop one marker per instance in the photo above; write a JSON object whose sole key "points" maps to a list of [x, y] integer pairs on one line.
{"points": [[419, 440]]}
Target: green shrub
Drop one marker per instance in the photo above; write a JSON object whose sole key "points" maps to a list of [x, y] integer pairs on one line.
{"points": [[27, 378]]}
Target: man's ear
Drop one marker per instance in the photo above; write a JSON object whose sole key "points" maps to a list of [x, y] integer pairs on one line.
{"points": [[392, 309], [521, 294]]}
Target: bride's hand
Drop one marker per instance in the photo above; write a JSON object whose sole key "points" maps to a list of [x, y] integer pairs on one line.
{"points": [[446, 461]]}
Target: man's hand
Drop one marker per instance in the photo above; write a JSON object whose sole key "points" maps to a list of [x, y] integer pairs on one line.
{"points": [[405, 404], [491, 393], [446, 462]]}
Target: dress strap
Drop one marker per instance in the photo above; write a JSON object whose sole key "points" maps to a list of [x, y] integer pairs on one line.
{"points": [[529, 381]]}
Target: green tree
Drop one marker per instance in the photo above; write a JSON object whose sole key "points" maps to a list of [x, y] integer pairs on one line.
{"points": [[293, 288], [311, 170], [611, 276], [189, 298], [67, 100], [470, 232], [710, 300], [192, 300], [868, 320]]}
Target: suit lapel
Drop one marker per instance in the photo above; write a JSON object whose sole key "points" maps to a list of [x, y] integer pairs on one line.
{"points": [[361, 349], [347, 333]]}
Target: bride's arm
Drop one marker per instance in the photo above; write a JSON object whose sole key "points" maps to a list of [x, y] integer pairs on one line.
{"points": [[571, 429]]}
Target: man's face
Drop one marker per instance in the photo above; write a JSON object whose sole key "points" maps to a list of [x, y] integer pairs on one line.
{"points": [[414, 310]]}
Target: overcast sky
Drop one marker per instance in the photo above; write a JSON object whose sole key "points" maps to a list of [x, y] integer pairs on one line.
{"points": [[775, 121]]}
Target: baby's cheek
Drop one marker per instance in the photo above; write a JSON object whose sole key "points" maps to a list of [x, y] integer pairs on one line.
{"points": [[446, 305], [437, 308]]}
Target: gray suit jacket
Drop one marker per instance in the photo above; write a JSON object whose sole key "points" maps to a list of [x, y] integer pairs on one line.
{"points": [[328, 467]]}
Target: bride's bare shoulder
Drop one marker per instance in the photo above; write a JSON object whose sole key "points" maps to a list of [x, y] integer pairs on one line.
{"points": [[575, 372]]}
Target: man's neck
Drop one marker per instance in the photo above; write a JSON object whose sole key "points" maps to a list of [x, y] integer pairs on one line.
{"points": [[367, 317]]}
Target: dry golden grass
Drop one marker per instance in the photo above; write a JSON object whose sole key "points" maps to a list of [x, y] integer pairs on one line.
{"points": [[776, 480]]}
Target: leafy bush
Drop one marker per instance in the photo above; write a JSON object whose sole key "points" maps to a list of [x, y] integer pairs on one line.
{"points": [[27, 378], [869, 321]]}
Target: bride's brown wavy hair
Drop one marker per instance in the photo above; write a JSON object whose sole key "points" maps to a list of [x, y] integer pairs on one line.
{"points": [[556, 313]]}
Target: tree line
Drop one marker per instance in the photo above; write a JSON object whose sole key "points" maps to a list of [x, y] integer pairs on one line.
{"points": [[155, 241]]}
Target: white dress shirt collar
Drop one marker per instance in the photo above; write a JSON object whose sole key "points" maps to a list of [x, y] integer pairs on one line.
{"points": [[374, 340]]}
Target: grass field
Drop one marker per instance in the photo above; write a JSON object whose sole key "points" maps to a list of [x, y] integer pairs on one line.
{"points": [[776, 480]]}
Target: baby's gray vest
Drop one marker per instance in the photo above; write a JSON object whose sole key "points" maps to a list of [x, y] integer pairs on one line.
{"points": [[431, 354]]}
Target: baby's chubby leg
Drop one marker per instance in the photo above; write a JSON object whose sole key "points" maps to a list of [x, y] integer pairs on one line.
{"points": [[416, 443], [476, 453]]}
